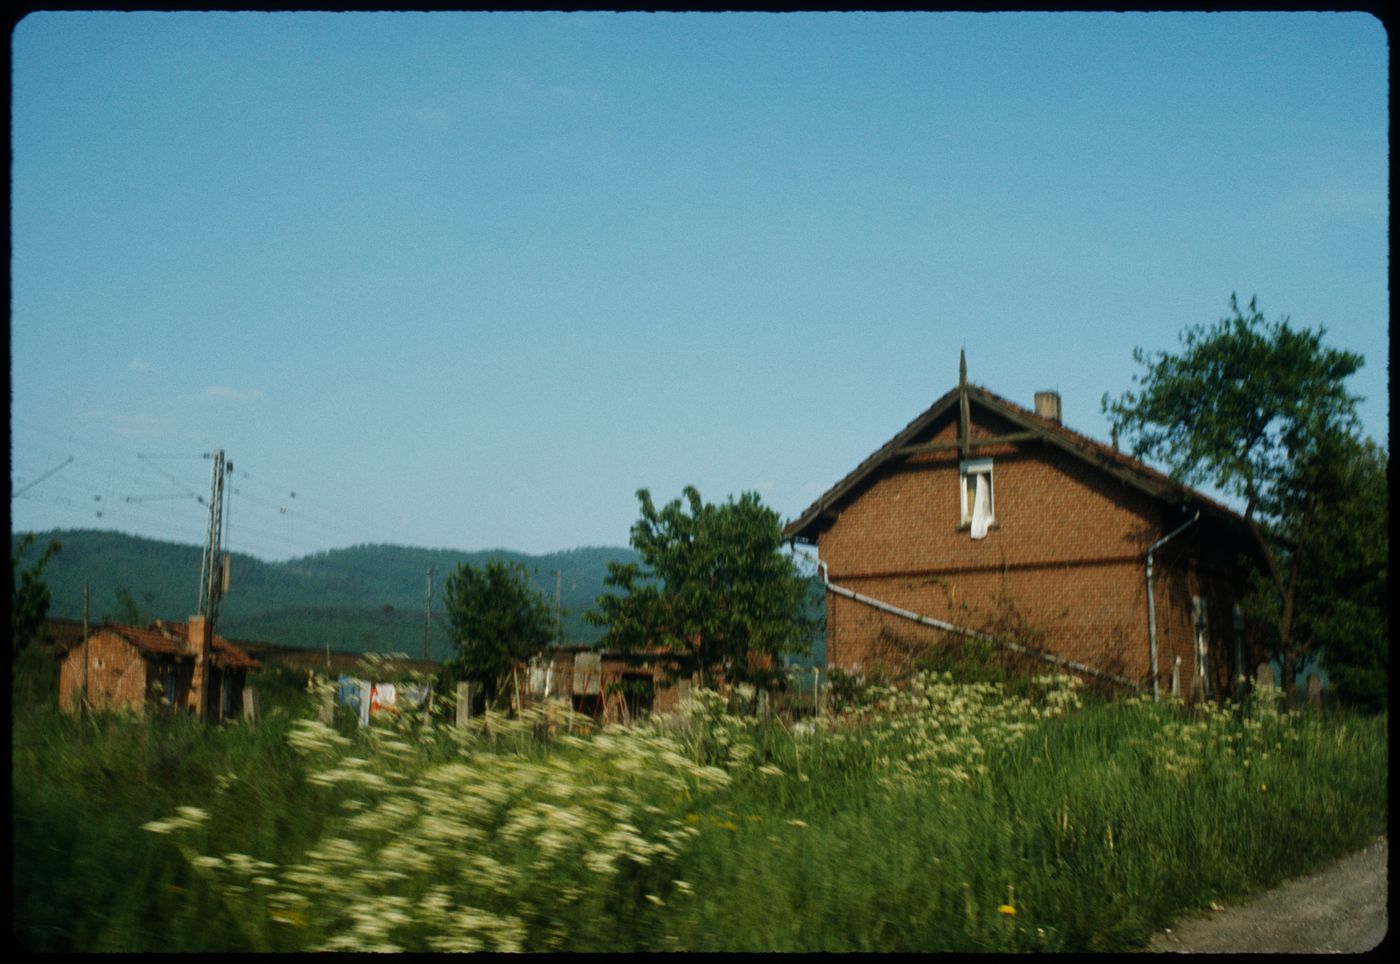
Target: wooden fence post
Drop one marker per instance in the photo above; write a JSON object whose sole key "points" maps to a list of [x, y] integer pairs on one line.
{"points": [[326, 711], [1314, 691], [1264, 677], [250, 704], [464, 703]]}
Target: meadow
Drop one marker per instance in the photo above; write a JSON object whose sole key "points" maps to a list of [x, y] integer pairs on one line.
{"points": [[935, 815]]}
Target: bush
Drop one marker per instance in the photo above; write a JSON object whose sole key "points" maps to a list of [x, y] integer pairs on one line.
{"points": [[934, 815]]}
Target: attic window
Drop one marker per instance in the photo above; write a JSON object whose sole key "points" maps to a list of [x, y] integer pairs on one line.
{"points": [[975, 490]]}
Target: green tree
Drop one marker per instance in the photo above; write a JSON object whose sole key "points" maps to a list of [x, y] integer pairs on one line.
{"points": [[1343, 604], [715, 592], [29, 604], [497, 618], [1259, 410], [127, 611]]}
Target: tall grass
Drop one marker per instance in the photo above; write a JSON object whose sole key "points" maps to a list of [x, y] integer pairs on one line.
{"points": [[938, 816]]}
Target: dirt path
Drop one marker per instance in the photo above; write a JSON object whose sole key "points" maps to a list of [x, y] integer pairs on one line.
{"points": [[1341, 909]]}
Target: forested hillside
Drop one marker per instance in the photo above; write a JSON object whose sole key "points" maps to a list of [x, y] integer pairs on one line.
{"points": [[364, 598]]}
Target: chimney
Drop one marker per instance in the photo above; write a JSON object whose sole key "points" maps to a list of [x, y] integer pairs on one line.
{"points": [[200, 635], [201, 644], [1047, 405]]}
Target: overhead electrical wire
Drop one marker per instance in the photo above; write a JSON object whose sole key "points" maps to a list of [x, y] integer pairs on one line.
{"points": [[42, 477], [98, 486]]}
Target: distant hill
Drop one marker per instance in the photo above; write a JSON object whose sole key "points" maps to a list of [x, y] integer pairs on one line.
{"points": [[367, 598]]}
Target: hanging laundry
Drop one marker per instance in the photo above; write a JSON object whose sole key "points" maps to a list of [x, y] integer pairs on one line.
{"points": [[383, 699], [415, 695], [981, 508], [347, 692]]}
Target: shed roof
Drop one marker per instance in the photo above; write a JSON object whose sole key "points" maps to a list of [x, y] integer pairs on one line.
{"points": [[1106, 459]]}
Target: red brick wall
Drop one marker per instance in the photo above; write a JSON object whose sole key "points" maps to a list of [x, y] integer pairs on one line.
{"points": [[116, 674], [1067, 552]]}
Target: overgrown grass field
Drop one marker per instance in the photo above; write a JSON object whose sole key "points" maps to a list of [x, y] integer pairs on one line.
{"points": [[937, 816]]}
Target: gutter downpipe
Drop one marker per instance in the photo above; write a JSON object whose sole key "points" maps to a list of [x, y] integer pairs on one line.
{"points": [[949, 627], [1151, 607]]}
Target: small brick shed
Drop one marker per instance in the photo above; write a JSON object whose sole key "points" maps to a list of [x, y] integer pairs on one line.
{"points": [[178, 666], [586, 676], [980, 508]]}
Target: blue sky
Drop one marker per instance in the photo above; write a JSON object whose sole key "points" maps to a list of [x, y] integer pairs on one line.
{"points": [[471, 280]]}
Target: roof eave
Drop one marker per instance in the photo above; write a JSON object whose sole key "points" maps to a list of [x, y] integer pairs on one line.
{"points": [[799, 528], [805, 527]]}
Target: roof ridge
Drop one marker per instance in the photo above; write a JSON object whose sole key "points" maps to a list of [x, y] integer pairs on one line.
{"points": [[1091, 450]]}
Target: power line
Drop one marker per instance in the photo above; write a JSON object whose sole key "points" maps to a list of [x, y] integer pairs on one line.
{"points": [[43, 477], [156, 498], [90, 490], [77, 496], [93, 488], [172, 478], [104, 468], [353, 527]]}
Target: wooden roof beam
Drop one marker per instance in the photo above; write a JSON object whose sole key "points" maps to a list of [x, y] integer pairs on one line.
{"points": [[966, 444], [964, 413]]}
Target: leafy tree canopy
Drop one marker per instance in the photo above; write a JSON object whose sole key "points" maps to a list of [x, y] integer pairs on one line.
{"points": [[1343, 598], [127, 611], [713, 589], [497, 618], [1243, 406], [29, 603], [1261, 410]]}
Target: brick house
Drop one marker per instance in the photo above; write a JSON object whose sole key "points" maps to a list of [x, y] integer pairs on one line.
{"points": [[177, 666], [981, 513]]}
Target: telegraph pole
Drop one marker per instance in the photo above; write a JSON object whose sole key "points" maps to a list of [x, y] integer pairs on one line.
{"points": [[427, 595], [84, 706], [213, 574], [558, 577]]}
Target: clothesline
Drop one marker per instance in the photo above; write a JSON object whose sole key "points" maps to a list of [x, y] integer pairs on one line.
{"points": [[369, 699]]}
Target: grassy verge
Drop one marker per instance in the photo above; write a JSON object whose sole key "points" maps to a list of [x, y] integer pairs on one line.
{"points": [[938, 817]]}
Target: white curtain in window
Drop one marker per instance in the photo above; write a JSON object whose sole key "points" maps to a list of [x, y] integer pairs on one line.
{"points": [[981, 508]]}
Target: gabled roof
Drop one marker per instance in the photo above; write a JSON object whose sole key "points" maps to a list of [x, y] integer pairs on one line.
{"points": [[226, 654], [1102, 457], [148, 640], [170, 639]]}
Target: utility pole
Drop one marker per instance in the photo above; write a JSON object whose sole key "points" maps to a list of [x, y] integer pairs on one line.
{"points": [[213, 574], [558, 582], [84, 705], [427, 595]]}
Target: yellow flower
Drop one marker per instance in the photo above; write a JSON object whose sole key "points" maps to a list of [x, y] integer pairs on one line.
{"points": [[1263, 788], [1007, 909]]}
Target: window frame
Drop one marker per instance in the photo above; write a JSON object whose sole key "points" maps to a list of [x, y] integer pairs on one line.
{"points": [[966, 469]]}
